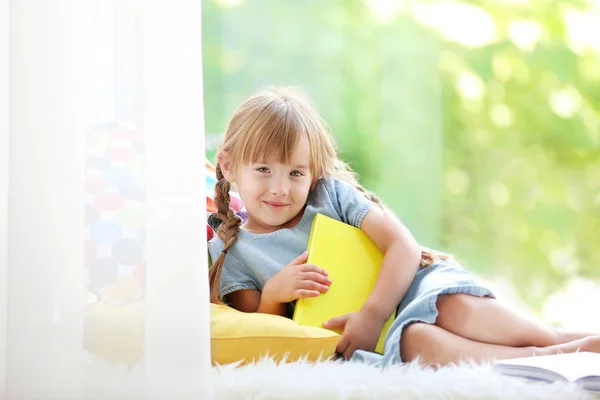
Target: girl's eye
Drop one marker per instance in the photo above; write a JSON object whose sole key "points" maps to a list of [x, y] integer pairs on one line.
{"points": [[297, 173], [263, 169]]}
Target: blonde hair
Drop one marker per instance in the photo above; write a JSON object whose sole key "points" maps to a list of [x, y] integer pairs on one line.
{"points": [[271, 122]]}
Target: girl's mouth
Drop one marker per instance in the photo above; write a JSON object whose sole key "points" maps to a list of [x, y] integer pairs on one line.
{"points": [[275, 204]]}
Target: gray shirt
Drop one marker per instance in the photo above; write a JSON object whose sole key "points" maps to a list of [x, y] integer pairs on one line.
{"points": [[255, 258]]}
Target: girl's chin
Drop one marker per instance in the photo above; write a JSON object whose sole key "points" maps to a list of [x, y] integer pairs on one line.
{"points": [[278, 223], [270, 223]]}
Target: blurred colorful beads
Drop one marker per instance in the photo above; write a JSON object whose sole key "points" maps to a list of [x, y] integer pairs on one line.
{"points": [[115, 214], [133, 193], [127, 251], [91, 252], [108, 202], [211, 181], [210, 205], [95, 184], [91, 215], [243, 215], [102, 272], [141, 235], [129, 216], [236, 203], [99, 163], [105, 231], [121, 154], [119, 177], [139, 274], [125, 134], [213, 221]]}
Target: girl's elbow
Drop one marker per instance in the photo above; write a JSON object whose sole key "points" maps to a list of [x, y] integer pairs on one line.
{"points": [[415, 255], [409, 251]]}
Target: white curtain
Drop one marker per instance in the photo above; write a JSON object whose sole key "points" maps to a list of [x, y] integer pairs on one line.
{"points": [[81, 70], [3, 186]]}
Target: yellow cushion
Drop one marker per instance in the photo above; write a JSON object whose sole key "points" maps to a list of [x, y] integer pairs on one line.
{"points": [[116, 333], [246, 337]]}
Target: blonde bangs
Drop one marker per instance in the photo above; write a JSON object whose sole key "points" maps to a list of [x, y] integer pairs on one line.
{"points": [[270, 136], [271, 124], [274, 133]]}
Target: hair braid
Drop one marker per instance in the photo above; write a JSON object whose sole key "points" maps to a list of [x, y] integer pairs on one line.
{"points": [[227, 231]]}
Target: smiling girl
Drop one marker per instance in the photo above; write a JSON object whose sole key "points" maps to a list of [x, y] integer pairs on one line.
{"points": [[279, 153]]}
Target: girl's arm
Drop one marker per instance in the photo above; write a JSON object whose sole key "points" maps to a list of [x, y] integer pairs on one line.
{"points": [[292, 282], [250, 301], [402, 257]]}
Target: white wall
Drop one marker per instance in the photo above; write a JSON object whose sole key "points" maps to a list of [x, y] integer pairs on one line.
{"points": [[4, 8]]}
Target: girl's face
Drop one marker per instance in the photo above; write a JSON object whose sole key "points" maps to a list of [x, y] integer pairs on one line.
{"points": [[274, 193]]}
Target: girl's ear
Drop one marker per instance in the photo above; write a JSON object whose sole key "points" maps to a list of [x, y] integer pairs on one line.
{"points": [[314, 183], [226, 166]]}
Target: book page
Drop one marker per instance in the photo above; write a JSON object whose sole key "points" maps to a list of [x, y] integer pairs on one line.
{"points": [[572, 366]]}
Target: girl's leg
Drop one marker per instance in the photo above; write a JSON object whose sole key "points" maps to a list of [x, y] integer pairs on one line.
{"points": [[484, 319], [436, 346], [568, 335]]}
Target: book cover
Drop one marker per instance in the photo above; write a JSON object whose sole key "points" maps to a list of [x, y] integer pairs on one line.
{"points": [[352, 261], [582, 368]]}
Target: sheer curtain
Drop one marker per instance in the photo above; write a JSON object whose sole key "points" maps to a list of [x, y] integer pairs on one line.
{"points": [[3, 185], [82, 71]]}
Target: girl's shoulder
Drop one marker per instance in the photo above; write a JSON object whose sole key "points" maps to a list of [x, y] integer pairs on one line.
{"points": [[340, 200], [328, 186], [215, 246], [323, 191], [336, 189], [234, 258], [216, 241]]}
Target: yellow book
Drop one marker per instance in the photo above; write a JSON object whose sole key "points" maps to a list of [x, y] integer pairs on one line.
{"points": [[352, 261]]}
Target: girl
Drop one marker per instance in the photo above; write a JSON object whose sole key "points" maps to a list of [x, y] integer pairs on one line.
{"points": [[282, 158]]}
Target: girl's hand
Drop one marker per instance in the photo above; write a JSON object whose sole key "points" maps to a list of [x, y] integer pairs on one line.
{"points": [[361, 331], [296, 280]]}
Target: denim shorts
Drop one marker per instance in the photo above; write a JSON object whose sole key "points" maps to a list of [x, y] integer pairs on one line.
{"points": [[419, 305]]}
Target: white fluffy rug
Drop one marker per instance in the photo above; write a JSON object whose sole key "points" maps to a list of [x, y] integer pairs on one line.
{"points": [[266, 380], [342, 380]]}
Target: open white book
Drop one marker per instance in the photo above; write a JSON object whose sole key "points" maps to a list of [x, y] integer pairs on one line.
{"points": [[581, 368]]}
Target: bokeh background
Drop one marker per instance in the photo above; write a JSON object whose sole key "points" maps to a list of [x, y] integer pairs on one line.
{"points": [[477, 122]]}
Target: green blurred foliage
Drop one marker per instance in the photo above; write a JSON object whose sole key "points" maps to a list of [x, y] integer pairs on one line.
{"points": [[488, 151]]}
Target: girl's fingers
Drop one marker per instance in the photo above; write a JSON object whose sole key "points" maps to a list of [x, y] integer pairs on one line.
{"points": [[301, 259], [342, 345], [337, 322], [313, 268], [312, 285], [302, 293], [349, 351], [317, 277]]}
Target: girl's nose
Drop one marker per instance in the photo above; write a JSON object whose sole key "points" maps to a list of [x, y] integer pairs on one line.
{"points": [[279, 187]]}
